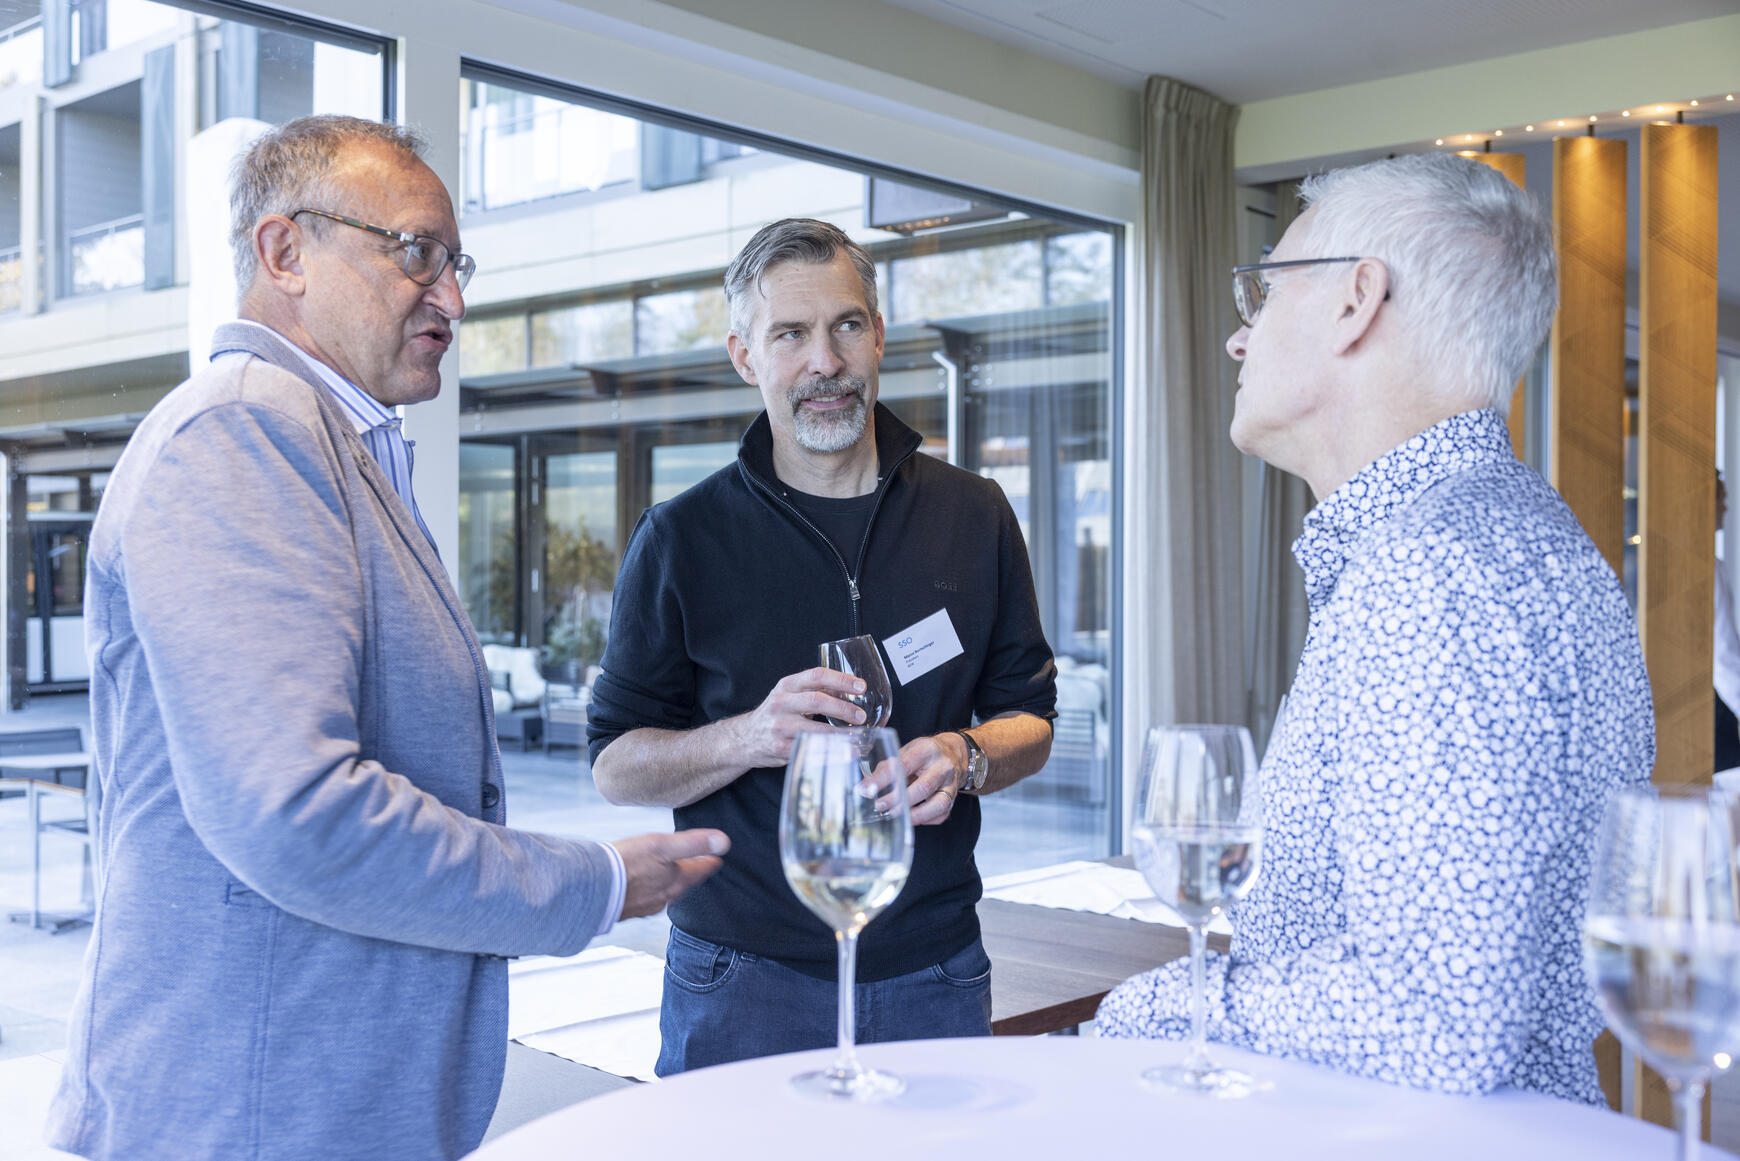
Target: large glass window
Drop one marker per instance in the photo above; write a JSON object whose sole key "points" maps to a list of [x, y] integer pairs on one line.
{"points": [[580, 558], [618, 393], [102, 178]]}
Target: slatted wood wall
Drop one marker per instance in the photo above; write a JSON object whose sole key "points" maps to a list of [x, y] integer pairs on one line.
{"points": [[1588, 341]]}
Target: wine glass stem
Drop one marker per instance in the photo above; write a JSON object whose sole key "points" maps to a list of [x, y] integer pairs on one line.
{"points": [[1197, 1058], [1690, 1094], [846, 1061]]}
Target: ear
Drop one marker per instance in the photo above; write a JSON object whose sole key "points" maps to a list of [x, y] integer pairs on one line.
{"points": [[740, 358], [1363, 293], [278, 251], [881, 334]]}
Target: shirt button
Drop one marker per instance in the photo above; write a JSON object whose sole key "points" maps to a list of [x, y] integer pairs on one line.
{"points": [[491, 795]]}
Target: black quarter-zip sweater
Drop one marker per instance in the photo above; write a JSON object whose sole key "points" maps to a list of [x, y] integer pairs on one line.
{"points": [[727, 588]]}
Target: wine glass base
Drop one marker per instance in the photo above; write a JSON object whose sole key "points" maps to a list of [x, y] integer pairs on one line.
{"points": [[1226, 1083], [862, 1084]]}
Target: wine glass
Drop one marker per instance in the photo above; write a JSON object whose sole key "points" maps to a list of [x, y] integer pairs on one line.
{"points": [[859, 657], [845, 841], [1661, 938], [1198, 840]]}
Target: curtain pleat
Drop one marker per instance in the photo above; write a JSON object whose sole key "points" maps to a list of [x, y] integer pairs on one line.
{"points": [[1186, 661]]}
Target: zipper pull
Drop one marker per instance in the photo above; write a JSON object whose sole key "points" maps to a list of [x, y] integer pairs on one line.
{"points": [[853, 585]]}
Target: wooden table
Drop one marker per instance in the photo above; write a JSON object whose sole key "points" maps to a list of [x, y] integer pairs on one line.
{"points": [[54, 763], [1051, 967]]}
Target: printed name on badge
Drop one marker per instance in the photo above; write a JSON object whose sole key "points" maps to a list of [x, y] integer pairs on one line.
{"points": [[916, 651]]}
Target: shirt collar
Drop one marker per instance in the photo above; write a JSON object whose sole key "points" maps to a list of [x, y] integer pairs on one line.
{"points": [[1390, 482], [364, 411]]}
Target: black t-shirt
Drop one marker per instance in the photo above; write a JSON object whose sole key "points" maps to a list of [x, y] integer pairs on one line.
{"points": [[843, 522]]}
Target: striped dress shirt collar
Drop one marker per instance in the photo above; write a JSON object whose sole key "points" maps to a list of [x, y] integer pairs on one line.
{"points": [[380, 429]]}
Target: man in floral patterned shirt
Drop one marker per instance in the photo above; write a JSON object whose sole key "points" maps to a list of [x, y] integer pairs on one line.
{"points": [[1471, 691]]}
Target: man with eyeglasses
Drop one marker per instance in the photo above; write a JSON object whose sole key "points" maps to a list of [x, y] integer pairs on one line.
{"points": [[308, 888], [1471, 691]]}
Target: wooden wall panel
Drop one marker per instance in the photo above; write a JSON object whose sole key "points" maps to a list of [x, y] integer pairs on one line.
{"points": [[1677, 452], [1677, 462], [1588, 340], [1515, 167]]}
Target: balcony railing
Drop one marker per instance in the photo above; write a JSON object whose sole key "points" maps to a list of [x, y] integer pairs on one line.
{"points": [[21, 53], [553, 149], [11, 278], [107, 256]]}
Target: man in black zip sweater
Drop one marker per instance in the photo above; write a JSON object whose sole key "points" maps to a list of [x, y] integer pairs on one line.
{"points": [[829, 525]]}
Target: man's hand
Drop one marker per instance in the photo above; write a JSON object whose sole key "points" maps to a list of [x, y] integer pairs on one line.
{"points": [[764, 735], [662, 866], [935, 768]]}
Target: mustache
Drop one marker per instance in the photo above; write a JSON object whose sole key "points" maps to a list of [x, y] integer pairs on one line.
{"points": [[837, 385]]}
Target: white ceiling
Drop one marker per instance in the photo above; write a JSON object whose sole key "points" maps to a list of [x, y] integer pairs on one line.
{"points": [[1250, 50]]}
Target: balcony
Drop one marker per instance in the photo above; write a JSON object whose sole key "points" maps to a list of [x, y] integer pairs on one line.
{"points": [[21, 53], [107, 256]]}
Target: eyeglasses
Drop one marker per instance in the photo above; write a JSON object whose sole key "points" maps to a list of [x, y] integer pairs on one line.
{"points": [[423, 258], [1251, 289]]}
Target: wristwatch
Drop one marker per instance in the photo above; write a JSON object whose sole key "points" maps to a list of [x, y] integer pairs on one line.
{"points": [[978, 765]]}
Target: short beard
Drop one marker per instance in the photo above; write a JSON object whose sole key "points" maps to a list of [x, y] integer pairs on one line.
{"points": [[830, 432]]}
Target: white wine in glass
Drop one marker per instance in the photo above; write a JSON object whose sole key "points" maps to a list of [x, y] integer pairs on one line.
{"points": [[1198, 839], [845, 842], [1661, 939], [858, 657]]}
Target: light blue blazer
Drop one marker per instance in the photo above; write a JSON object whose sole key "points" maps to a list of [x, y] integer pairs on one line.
{"points": [[307, 880]]}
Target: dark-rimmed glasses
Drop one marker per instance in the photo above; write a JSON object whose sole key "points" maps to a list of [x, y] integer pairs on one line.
{"points": [[1251, 289], [422, 258]]}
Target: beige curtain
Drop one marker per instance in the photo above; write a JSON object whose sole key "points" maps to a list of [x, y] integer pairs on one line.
{"points": [[1278, 634], [1185, 653]]}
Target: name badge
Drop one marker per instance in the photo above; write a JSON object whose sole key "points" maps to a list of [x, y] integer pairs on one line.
{"points": [[923, 647]]}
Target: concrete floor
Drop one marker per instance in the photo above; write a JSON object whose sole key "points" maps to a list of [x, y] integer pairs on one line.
{"points": [[549, 793]]}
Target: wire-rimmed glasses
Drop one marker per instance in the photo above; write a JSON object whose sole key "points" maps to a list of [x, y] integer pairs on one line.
{"points": [[1251, 289], [421, 257]]}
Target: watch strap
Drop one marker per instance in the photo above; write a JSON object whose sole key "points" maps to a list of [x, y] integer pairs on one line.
{"points": [[978, 764]]}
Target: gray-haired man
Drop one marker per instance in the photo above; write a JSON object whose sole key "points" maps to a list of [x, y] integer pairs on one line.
{"points": [[308, 884], [829, 525], [1472, 691]]}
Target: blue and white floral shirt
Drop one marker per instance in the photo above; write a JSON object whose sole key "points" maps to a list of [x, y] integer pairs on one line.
{"points": [[1470, 695]]}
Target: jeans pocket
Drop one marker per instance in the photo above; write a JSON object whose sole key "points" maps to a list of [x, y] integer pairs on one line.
{"points": [[697, 965], [968, 968]]}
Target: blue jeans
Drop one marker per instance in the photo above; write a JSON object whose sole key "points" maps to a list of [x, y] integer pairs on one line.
{"points": [[721, 1004]]}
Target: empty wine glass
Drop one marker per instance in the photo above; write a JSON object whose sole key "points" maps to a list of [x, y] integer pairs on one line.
{"points": [[859, 657], [1661, 939], [845, 842], [1198, 839]]}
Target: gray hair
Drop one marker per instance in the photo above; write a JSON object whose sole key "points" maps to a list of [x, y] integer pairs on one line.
{"points": [[790, 240], [287, 169], [1470, 259]]}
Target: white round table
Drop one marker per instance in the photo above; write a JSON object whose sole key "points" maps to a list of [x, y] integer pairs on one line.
{"points": [[1067, 1098]]}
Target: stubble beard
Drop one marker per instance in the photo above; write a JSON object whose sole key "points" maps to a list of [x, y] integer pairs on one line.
{"points": [[826, 433]]}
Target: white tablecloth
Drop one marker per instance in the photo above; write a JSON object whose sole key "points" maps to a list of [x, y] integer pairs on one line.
{"points": [[1088, 886], [1068, 1098]]}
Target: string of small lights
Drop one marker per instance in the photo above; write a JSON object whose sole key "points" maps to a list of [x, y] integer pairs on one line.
{"points": [[1660, 113]]}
